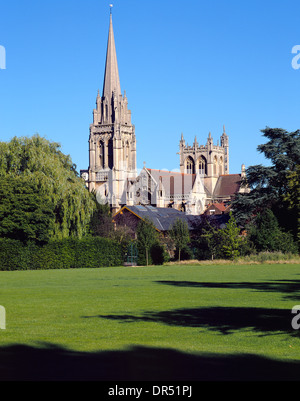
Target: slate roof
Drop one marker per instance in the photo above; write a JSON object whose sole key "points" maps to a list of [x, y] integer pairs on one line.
{"points": [[164, 218]]}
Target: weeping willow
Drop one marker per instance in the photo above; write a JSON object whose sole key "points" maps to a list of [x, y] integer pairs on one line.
{"points": [[55, 178]]}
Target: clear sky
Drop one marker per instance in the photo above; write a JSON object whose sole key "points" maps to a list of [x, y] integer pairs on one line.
{"points": [[187, 67]]}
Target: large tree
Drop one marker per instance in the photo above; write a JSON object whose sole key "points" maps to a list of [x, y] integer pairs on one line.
{"points": [[180, 235], [231, 240], [266, 235], [25, 213], [292, 197], [147, 236], [269, 184], [49, 181]]}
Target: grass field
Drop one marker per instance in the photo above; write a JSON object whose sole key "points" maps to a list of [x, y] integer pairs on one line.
{"points": [[182, 322]]}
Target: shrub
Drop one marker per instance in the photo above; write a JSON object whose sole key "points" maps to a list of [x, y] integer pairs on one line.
{"points": [[89, 252], [158, 254]]}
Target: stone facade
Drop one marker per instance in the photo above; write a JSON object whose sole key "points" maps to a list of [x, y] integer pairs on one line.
{"points": [[209, 160], [203, 177], [112, 142]]}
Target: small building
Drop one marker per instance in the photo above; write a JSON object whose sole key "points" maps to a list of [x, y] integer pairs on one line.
{"points": [[217, 208], [161, 217]]}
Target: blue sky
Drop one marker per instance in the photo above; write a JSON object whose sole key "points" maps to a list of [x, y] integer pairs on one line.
{"points": [[187, 67]]}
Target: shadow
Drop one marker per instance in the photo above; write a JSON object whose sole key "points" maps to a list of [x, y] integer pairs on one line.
{"points": [[225, 320], [52, 363], [289, 287]]}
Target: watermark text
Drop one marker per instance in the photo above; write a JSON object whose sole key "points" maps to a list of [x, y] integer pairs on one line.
{"points": [[2, 318], [2, 58], [296, 59], [296, 319]]}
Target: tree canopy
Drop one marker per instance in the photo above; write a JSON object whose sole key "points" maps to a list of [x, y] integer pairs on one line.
{"points": [[269, 185], [147, 236], [40, 185], [180, 235]]}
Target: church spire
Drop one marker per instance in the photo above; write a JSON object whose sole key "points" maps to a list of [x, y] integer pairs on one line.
{"points": [[111, 77]]}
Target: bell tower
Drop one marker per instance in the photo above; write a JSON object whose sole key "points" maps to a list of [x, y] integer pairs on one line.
{"points": [[112, 142]]}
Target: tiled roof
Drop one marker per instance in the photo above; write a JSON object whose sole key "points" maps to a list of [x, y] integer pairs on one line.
{"points": [[227, 185]]}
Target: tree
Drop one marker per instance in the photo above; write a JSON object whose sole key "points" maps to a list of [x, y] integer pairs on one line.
{"points": [[55, 178], [205, 237], [146, 236], [26, 213], [266, 235], [292, 197], [269, 185], [212, 238], [180, 235], [231, 239], [101, 224]]}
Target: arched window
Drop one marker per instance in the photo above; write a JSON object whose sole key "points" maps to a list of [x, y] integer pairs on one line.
{"points": [[202, 165], [221, 165], [172, 187], [127, 154], [190, 166], [110, 153], [101, 154], [160, 190], [215, 165]]}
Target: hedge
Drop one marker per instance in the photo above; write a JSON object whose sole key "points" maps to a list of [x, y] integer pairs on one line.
{"points": [[89, 252]]}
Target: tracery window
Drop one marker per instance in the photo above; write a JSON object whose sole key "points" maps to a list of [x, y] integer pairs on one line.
{"points": [[202, 165], [190, 166]]}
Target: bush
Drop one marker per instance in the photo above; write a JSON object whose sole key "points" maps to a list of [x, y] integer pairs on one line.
{"points": [[185, 254], [13, 254], [158, 254], [89, 252], [93, 252]]}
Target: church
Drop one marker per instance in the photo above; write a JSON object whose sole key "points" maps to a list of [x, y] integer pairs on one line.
{"points": [[202, 179]]}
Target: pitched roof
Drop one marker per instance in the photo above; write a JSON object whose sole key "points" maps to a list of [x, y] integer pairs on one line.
{"points": [[174, 183], [219, 206], [227, 185], [164, 218]]}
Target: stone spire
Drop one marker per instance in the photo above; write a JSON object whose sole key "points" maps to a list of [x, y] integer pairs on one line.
{"points": [[111, 77]]}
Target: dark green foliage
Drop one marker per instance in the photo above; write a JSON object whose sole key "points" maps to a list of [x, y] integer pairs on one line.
{"points": [[266, 234], [98, 252], [54, 195], [158, 254], [209, 241], [180, 235], [101, 220], [186, 253], [230, 239], [89, 252], [270, 185], [14, 255], [26, 212], [292, 198], [101, 225], [147, 236], [206, 239]]}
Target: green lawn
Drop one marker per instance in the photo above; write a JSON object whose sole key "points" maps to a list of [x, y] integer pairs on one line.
{"points": [[166, 322]]}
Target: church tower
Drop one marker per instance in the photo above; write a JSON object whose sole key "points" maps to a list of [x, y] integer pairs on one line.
{"points": [[112, 142], [209, 161]]}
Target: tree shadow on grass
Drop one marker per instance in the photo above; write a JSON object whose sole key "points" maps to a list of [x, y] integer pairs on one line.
{"points": [[52, 363], [291, 288], [225, 320]]}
